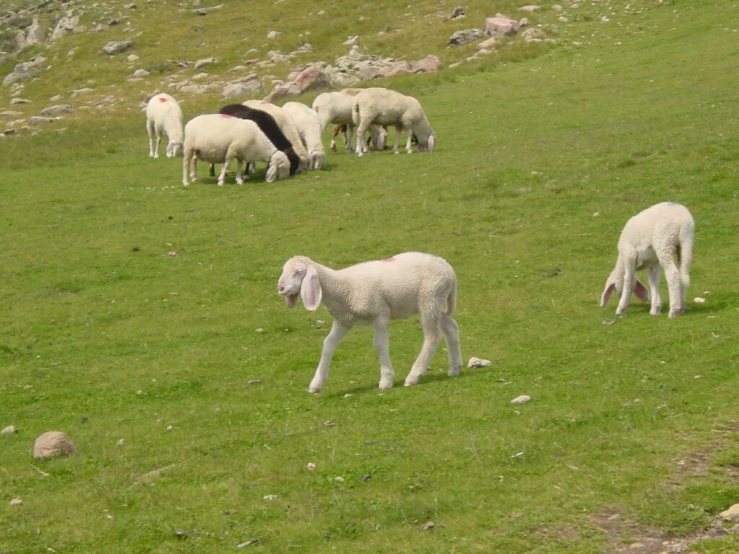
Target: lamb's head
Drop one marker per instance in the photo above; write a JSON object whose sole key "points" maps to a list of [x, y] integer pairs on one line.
{"points": [[428, 145], [279, 167], [174, 148], [615, 282], [299, 276]]}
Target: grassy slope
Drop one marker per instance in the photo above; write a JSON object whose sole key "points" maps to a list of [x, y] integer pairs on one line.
{"points": [[137, 340]]}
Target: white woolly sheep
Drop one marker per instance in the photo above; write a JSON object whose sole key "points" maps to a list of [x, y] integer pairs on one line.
{"points": [[219, 138], [387, 107], [286, 124], [309, 127], [374, 293], [163, 115], [652, 239], [336, 108]]}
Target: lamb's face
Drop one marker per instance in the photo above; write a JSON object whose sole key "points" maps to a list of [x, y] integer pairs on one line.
{"points": [[293, 273]]}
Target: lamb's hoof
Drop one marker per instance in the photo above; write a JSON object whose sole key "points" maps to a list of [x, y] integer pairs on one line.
{"points": [[314, 390], [386, 385], [655, 312], [453, 372], [675, 313], [410, 381]]}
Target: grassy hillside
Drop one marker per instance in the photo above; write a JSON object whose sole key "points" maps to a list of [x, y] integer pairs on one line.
{"points": [[142, 318]]}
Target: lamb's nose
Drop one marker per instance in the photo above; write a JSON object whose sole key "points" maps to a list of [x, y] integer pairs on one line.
{"points": [[281, 289]]}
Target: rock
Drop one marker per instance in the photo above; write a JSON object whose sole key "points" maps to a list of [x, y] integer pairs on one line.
{"points": [[36, 120], [458, 13], [117, 47], [16, 101], [732, 514], [534, 34], [478, 362], [529, 8], [9, 430], [249, 88], [25, 71], [521, 399], [52, 444], [273, 34], [66, 25], [132, 58], [464, 37], [426, 65], [500, 26], [55, 111], [427, 526], [16, 502], [199, 64], [139, 74]]}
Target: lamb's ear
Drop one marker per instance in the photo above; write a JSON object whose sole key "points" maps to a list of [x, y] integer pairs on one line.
{"points": [[641, 291], [271, 176], [310, 290], [610, 287], [432, 142]]}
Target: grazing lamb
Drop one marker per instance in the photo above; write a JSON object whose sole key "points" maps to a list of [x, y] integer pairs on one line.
{"points": [[269, 127], [163, 115], [309, 128], [336, 108], [286, 124], [374, 293], [219, 138], [653, 238], [383, 106]]}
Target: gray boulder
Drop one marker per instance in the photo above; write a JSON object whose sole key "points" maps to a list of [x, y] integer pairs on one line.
{"points": [[464, 37], [117, 47], [53, 444]]}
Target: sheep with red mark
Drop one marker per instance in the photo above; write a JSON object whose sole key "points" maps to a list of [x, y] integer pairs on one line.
{"points": [[219, 138], [373, 293], [653, 238], [382, 106], [286, 124], [164, 116]]}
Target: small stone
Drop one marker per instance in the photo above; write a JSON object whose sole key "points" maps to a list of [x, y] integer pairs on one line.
{"points": [[16, 502], [260, 330], [478, 362], [366, 478], [311, 466], [608, 322], [9, 430], [521, 399], [339, 479], [427, 526], [247, 543], [699, 300], [253, 381], [270, 497]]}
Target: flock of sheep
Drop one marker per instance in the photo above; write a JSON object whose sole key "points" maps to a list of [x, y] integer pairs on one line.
{"points": [[375, 292]]}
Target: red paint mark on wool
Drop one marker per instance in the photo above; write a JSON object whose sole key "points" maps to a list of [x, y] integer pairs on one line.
{"points": [[225, 115], [162, 99], [388, 260]]}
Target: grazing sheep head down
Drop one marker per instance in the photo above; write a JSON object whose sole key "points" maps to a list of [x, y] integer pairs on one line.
{"points": [[300, 277]]}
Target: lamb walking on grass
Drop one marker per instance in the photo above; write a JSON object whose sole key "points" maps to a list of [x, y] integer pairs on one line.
{"points": [[373, 293], [653, 238]]}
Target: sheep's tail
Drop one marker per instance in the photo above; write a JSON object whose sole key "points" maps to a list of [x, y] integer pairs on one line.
{"points": [[451, 301]]}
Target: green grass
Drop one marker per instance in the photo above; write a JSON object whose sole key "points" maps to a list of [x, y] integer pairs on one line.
{"points": [[135, 314]]}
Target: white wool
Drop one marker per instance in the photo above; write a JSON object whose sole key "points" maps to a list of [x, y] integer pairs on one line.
{"points": [[382, 106], [652, 239], [309, 127], [163, 115], [286, 125], [373, 293], [219, 138], [336, 108]]}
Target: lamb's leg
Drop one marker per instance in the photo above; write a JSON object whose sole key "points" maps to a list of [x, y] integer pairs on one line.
{"points": [[382, 346], [409, 142], [674, 285], [451, 335], [360, 132], [431, 337], [654, 273], [185, 168], [239, 179], [396, 146], [150, 132], [348, 137], [222, 176], [332, 340], [334, 133], [629, 261]]}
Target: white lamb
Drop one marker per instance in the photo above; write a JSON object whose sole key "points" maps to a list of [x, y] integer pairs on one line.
{"points": [[653, 238], [336, 108], [219, 138], [383, 106], [374, 293], [163, 115], [286, 124], [309, 127]]}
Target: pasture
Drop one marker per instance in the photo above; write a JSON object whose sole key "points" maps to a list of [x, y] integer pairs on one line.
{"points": [[142, 318]]}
